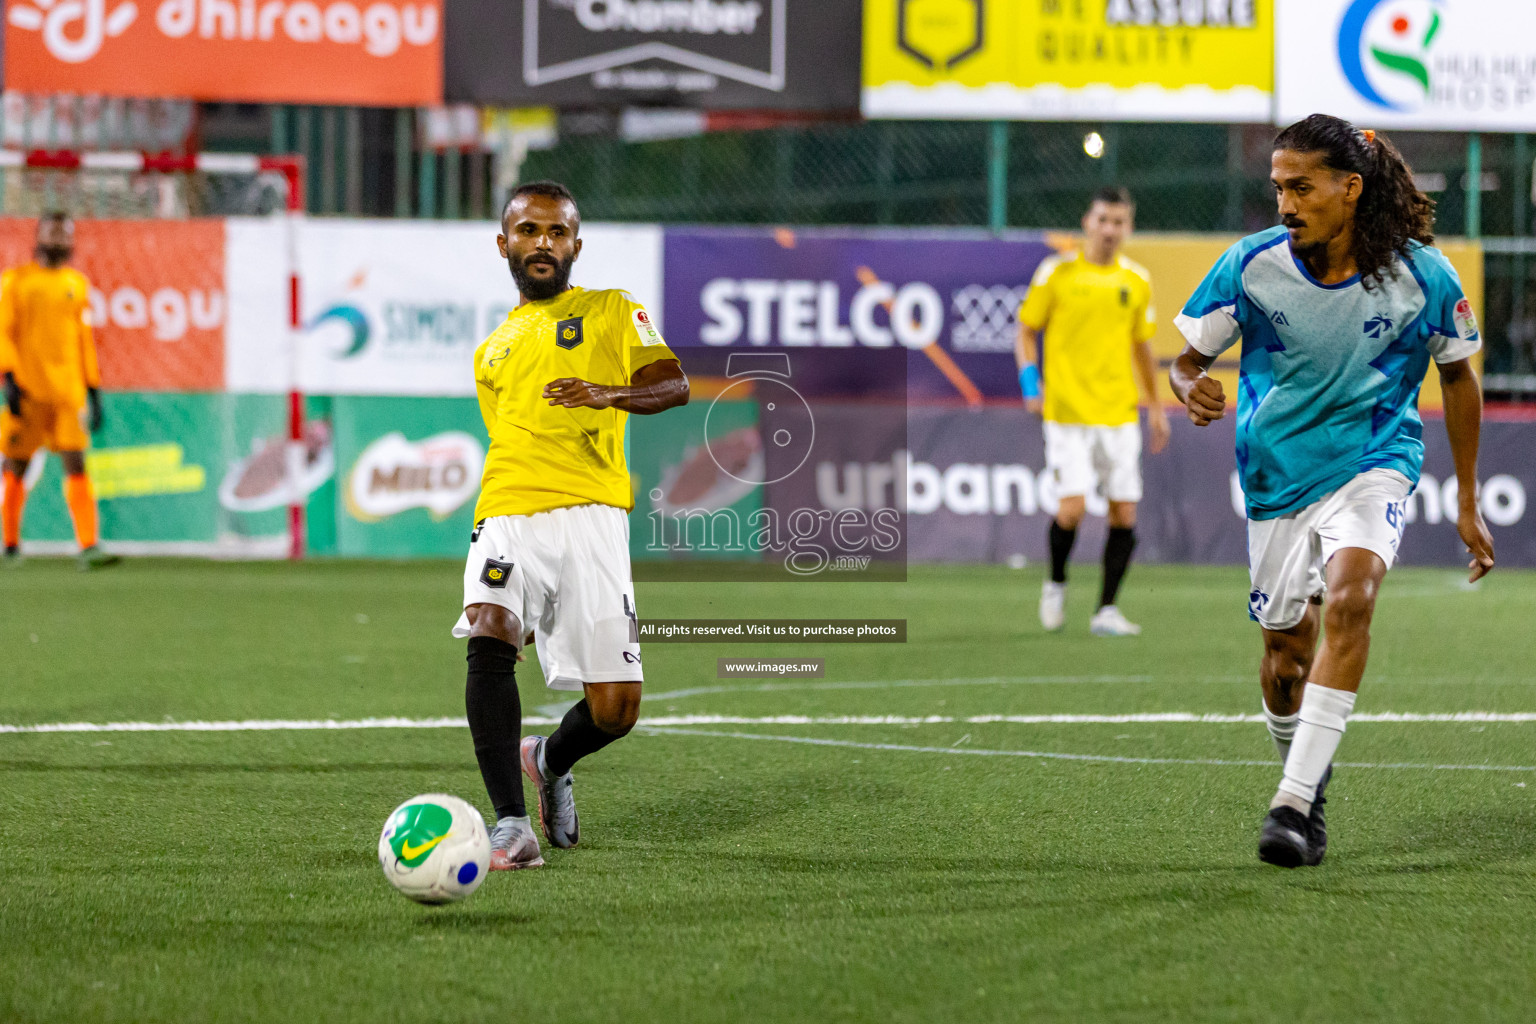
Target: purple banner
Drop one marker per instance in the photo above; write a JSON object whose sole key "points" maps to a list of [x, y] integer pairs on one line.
{"points": [[767, 288], [977, 492]]}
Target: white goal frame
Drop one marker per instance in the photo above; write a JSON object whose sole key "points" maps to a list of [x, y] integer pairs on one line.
{"points": [[291, 169]]}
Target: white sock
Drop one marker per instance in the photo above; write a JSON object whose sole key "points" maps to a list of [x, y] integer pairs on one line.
{"points": [[1322, 717], [1282, 728]]}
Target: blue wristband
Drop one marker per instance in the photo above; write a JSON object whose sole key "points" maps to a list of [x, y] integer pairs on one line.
{"points": [[1029, 380]]}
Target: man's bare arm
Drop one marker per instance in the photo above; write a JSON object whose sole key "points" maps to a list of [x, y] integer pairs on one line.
{"points": [[655, 387], [1202, 396], [1146, 376], [1463, 397]]}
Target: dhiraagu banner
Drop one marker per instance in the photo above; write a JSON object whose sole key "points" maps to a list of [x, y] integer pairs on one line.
{"points": [[1162, 60]]}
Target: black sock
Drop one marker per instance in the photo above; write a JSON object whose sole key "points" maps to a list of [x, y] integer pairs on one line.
{"points": [[1061, 548], [1117, 559], [577, 737], [496, 721]]}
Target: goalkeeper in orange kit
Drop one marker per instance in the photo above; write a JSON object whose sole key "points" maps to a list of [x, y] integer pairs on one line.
{"points": [[52, 397]]}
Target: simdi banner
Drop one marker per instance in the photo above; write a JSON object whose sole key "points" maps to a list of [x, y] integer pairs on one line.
{"points": [[1455, 65], [1153, 60], [720, 54], [375, 52], [395, 307]]}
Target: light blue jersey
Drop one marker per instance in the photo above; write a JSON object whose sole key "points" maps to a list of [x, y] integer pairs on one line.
{"points": [[1330, 374]]}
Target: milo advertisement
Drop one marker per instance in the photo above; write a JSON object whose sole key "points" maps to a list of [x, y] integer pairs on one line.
{"points": [[408, 475]]}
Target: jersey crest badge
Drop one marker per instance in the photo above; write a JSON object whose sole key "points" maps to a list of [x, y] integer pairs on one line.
{"points": [[1466, 321], [645, 328], [1378, 325], [495, 574], [568, 333]]}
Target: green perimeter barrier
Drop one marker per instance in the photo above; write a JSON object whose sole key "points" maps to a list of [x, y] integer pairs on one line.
{"points": [[202, 473]]}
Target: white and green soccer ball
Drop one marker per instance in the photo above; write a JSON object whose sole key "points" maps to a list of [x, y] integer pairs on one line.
{"points": [[435, 849]]}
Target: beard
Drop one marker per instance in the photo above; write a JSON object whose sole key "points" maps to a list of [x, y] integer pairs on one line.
{"points": [[56, 254], [536, 288]]}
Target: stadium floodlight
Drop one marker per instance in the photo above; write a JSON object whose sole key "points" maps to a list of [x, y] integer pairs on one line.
{"points": [[167, 186]]}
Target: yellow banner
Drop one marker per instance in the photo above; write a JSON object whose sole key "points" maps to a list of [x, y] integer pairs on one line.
{"points": [[1178, 263], [1130, 59]]}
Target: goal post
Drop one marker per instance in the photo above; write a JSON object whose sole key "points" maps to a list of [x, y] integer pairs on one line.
{"points": [[127, 186]]}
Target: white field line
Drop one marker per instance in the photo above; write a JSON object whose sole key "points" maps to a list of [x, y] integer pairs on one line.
{"points": [[1053, 756], [671, 721], [745, 687]]}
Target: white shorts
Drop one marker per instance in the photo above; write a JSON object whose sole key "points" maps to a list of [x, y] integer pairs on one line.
{"points": [[1287, 556], [1076, 453], [565, 575]]}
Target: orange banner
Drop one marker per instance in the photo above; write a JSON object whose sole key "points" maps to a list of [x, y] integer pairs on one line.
{"points": [[157, 298], [371, 52]]}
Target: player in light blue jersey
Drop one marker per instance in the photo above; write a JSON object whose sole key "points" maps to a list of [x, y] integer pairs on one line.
{"points": [[1340, 311]]}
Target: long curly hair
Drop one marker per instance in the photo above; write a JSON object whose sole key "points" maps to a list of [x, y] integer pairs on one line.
{"points": [[1391, 211]]}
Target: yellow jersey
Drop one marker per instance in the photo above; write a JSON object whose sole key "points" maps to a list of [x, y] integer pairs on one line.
{"points": [[544, 457], [45, 333], [1091, 315]]}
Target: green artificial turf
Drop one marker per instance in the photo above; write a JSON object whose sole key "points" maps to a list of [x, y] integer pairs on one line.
{"points": [[194, 876]]}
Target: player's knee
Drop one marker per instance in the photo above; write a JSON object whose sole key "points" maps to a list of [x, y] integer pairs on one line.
{"points": [[1069, 515], [1349, 610], [1122, 515], [617, 715], [494, 620], [1285, 667]]}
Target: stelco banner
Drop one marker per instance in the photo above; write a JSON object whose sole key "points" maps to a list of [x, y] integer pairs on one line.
{"points": [[1467, 65], [376, 52], [776, 54], [1151, 60], [950, 299]]}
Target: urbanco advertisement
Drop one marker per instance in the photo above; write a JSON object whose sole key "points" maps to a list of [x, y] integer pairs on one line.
{"points": [[977, 491]]}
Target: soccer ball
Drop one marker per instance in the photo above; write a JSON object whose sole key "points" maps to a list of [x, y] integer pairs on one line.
{"points": [[434, 849]]}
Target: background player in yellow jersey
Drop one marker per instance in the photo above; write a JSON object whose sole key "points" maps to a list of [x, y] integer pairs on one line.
{"points": [[549, 558], [52, 397], [1095, 309]]}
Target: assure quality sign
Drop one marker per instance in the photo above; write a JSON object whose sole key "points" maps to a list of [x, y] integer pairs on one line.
{"points": [[1157, 60], [1467, 65], [376, 52]]}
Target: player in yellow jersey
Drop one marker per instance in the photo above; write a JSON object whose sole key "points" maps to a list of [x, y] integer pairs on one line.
{"points": [[1095, 309], [549, 558], [52, 396]]}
